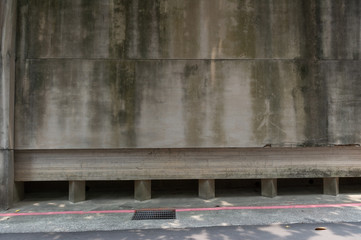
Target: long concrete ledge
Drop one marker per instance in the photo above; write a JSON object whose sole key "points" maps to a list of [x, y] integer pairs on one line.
{"points": [[206, 165], [203, 163]]}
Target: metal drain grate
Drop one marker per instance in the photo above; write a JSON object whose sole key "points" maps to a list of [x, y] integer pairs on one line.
{"points": [[150, 214]]}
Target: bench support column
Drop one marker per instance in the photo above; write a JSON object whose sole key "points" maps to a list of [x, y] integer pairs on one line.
{"points": [[206, 188], [331, 186], [18, 191], [76, 191], [6, 179], [142, 190], [269, 187]]}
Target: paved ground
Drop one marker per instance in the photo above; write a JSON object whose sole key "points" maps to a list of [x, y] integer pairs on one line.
{"points": [[264, 212], [344, 231]]}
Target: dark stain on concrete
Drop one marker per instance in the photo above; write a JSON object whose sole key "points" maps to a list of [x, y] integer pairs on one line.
{"points": [[216, 97], [144, 33], [311, 85], [265, 28], [339, 35], [345, 38], [88, 16], [116, 44], [240, 37], [194, 93], [355, 8], [124, 110], [31, 98]]}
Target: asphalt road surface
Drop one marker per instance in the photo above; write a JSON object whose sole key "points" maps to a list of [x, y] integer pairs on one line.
{"points": [[293, 231]]}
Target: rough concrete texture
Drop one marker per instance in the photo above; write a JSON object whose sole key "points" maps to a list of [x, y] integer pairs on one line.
{"points": [[120, 74]]}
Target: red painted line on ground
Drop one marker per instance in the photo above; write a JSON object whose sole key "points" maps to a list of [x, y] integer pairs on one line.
{"points": [[271, 207], [338, 205], [65, 212]]}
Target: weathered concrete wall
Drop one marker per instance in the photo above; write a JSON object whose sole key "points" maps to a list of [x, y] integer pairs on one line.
{"points": [[200, 73], [7, 80], [192, 103]]}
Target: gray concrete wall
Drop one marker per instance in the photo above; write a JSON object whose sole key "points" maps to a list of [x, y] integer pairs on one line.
{"points": [[200, 73], [7, 80]]}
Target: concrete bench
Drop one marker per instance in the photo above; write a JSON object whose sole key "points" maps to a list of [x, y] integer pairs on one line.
{"points": [[206, 165]]}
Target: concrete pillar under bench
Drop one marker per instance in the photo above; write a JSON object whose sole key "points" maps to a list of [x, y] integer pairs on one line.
{"points": [[269, 187], [331, 186], [6, 179], [19, 192], [206, 188], [76, 191], [142, 190]]}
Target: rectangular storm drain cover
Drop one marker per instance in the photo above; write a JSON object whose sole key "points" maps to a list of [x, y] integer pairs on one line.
{"points": [[155, 214]]}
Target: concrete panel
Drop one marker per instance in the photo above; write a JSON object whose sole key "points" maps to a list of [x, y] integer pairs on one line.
{"points": [[165, 103], [6, 179], [344, 99], [76, 104], [340, 29], [210, 29]]}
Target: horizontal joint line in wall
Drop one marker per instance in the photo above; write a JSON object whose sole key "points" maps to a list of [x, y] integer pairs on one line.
{"points": [[170, 59], [194, 59]]}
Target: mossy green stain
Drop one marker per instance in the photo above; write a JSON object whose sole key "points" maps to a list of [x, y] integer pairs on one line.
{"points": [[117, 13]]}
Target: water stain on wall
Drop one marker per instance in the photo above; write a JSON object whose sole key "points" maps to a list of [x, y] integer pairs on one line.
{"points": [[311, 85], [194, 92], [143, 19], [209, 29], [343, 14], [124, 110], [117, 28], [215, 101], [30, 90]]}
